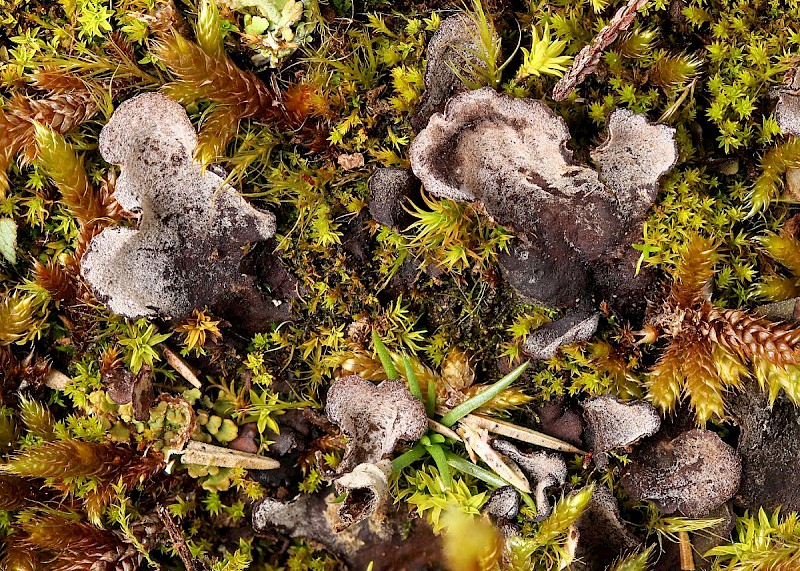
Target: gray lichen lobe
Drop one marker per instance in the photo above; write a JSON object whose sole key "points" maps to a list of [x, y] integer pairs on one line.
{"points": [[510, 155], [544, 469], [375, 418], [544, 341], [613, 424], [454, 39], [193, 227], [367, 488], [693, 473], [787, 110], [632, 160]]}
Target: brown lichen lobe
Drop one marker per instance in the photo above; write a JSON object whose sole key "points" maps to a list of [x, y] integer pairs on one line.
{"points": [[542, 468], [613, 424], [193, 227], [452, 41], [602, 533], [511, 156], [769, 447], [693, 473]]}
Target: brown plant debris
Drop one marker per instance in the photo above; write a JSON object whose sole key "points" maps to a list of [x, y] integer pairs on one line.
{"points": [[65, 544], [586, 61], [612, 424], [215, 77], [375, 418], [574, 224], [62, 111], [709, 347], [544, 469], [186, 252], [693, 473]]}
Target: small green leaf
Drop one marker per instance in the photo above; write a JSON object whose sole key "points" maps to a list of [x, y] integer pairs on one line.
{"points": [[483, 397], [8, 240], [256, 25]]}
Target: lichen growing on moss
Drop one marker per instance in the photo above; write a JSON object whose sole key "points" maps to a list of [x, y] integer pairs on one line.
{"points": [[296, 104]]}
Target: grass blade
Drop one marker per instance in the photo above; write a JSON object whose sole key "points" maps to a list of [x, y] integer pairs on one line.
{"points": [[413, 383], [462, 465], [407, 458], [483, 397], [438, 455], [386, 359]]}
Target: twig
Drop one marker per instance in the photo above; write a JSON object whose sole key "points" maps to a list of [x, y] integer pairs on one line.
{"points": [[587, 59], [210, 455], [180, 366], [687, 559], [440, 428], [177, 537], [520, 433], [476, 443]]}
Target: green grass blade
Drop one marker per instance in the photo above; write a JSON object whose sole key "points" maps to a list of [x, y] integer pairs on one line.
{"points": [[438, 455], [413, 383], [483, 397], [407, 458], [386, 359], [430, 404], [462, 465]]}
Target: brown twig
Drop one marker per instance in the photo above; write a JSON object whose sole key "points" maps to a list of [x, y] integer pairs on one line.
{"points": [[180, 366], [687, 559], [177, 537], [587, 59]]}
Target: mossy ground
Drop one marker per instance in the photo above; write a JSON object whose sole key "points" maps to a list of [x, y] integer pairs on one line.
{"points": [[705, 68]]}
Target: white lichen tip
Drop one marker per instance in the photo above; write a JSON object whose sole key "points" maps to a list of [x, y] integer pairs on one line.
{"points": [[193, 226], [633, 158]]}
